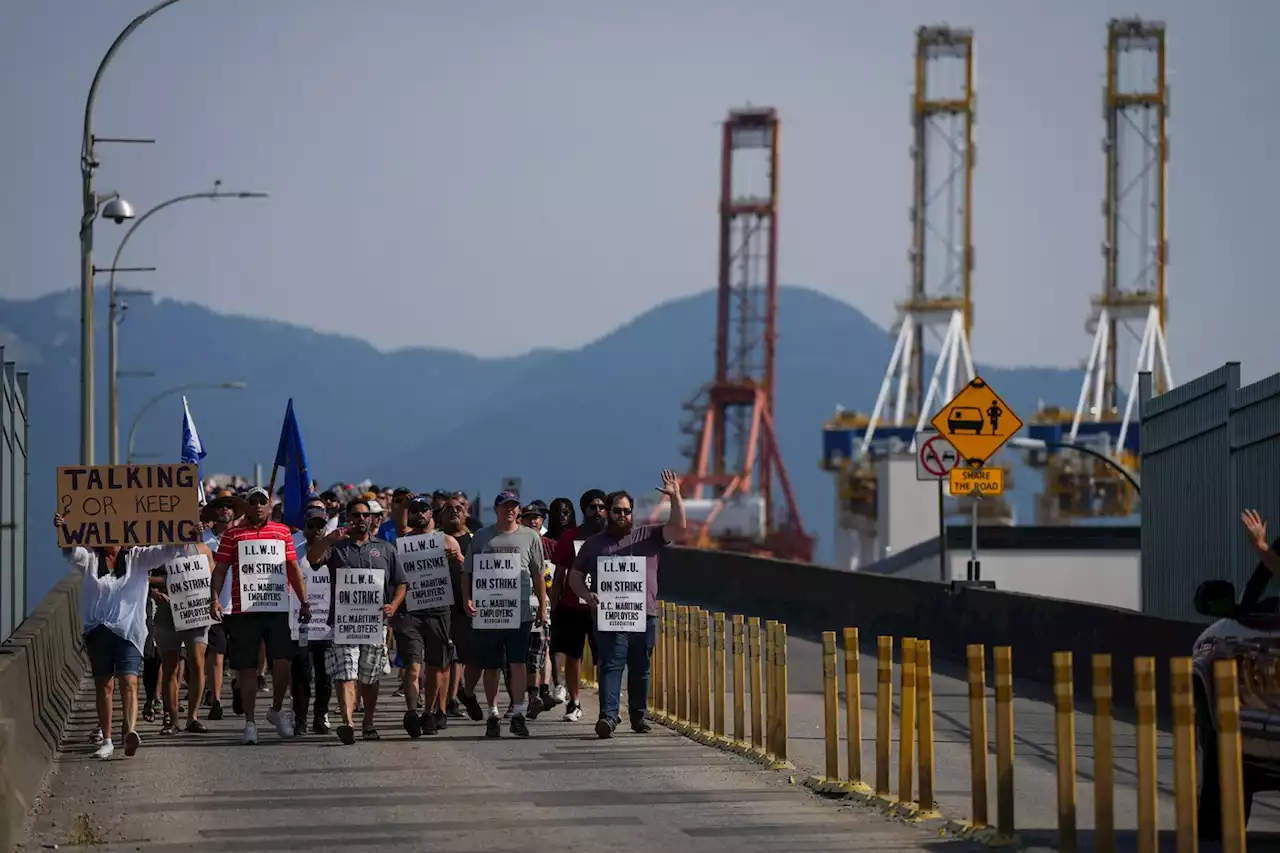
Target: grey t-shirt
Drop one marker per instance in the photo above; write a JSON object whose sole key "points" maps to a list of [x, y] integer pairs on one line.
{"points": [[525, 542], [372, 554]]}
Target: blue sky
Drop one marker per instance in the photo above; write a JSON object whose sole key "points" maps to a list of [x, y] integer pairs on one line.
{"points": [[496, 176]]}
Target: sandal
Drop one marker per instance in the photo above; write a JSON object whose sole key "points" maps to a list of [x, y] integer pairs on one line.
{"points": [[195, 727], [371, 734], [166, 727], [149, 711]]}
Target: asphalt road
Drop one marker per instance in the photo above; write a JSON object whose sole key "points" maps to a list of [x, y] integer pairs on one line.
{"points": [[1035, 780], [561, 789]]}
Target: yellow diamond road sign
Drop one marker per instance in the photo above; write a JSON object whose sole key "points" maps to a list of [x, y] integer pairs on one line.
{"points": [[977, 422]]}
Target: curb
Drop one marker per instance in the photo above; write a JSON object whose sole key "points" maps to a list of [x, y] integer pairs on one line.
{"points": [[835, 789]]}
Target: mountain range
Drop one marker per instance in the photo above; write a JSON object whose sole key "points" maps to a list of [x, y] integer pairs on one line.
{"points": [[605, 415]]}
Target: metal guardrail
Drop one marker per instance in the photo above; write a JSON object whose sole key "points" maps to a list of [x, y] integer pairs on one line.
{"points": [[15, 432]]}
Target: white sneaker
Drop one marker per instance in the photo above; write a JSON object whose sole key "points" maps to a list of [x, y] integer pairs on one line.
{"points": [[105, 750], [573, 713], [250, 735], [284, 723], [560, 693]]}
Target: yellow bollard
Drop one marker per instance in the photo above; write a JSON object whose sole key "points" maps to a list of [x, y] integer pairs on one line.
{"points": [[718, 676], [907, 720], [1144, 678], [1184, 753], [1104, 767], [682, 663], [739, 682], [1230, 761], [978, 747], [924, 722], [659, 698], [784, 716], [831, 705], [1065, 736], [673, 665], [698, 636], [853, 705], [1003, 656], [770, 688], [884, 712], [757, 677], [704, 625]]}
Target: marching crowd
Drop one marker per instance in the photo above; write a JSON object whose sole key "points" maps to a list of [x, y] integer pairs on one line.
{"points": [[442, 650]]}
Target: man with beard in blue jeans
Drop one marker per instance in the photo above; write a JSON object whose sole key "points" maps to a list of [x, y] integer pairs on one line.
{"points": [[619, 649]]}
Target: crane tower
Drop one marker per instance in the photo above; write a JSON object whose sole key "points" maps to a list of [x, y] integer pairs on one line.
{"points": [[1135, 248], [736, 452]]}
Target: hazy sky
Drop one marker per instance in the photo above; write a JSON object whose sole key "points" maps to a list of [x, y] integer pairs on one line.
{"points": [[496, 176]]}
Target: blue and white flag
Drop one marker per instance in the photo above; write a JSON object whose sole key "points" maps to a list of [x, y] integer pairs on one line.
{"points": [[192, 447]]}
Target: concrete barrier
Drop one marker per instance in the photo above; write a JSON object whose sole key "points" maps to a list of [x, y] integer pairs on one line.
{"points": [[41, 665], [812, 599]]}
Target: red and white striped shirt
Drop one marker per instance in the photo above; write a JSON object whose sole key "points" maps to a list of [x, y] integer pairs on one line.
{"points": [[229, 551]]}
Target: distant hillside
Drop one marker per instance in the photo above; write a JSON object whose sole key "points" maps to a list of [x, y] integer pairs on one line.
{"points": [[605, 415]]}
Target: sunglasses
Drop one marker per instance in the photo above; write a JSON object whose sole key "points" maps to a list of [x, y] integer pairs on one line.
{"points": [[420, 508], [451, 508], [598, 505], [620, 510], [318, 524], [257, 501], [361, 514]]}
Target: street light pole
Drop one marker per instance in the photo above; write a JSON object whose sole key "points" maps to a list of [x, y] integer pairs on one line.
{"points": [[113, 395], [186, 386], [89, 212], [1036, 444]]}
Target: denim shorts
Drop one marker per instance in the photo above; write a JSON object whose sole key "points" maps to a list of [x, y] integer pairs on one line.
{"points": [[110, 654]]}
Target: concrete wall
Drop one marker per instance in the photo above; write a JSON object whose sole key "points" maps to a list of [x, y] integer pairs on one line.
{"points": [[1210, 449], [814, 598], [41, 665]]}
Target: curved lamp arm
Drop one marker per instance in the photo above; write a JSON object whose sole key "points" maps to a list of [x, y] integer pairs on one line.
{"points": [[186, 386]]}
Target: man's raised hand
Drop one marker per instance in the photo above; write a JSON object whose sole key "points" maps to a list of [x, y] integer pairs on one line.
{"points": [[670, 483]]}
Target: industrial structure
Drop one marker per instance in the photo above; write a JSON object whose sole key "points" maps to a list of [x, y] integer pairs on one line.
{"points": [[1133, 305], [738, 494], [940, 299]]}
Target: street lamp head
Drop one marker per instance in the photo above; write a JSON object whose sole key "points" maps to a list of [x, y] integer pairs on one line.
{"points": [[235, 385], [118, 210], [254, 194]]}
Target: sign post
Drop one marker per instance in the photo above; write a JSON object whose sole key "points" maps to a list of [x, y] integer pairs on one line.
{"points": [[935, 459], [977, 423]]}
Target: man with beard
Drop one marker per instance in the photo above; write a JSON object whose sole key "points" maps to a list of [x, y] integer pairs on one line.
{"points": [[619, 649], [251, 626], [452, 519], [398, 522], [218, 514], [422, 636], [348, 665], [571, 626]]}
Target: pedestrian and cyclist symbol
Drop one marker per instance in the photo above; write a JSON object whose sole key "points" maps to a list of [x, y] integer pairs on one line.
{"points": [[977, 422]]}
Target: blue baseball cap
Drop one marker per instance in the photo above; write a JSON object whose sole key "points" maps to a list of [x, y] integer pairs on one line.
{"points": [[420, 499], [505, 498]]}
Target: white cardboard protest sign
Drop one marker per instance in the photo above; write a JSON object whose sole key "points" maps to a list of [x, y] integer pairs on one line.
{"points": [[319, 597], [620, 586], [262, 576], [188, 583], [357, 608], [427, 569], [495, 591]]}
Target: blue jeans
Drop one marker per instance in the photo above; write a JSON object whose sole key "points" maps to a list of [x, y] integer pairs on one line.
{"points": [[630, 650]]}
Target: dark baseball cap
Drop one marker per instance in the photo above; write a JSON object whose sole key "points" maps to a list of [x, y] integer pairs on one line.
{"points": [[423, 501], [313, 514], [536, 508], [505, 498]]}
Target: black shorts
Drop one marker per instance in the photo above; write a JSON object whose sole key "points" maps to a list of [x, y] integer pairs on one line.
{"points": [[570, 631], [464, 640], [247, 632], [423, 638], [218, 639], [501, 647]]}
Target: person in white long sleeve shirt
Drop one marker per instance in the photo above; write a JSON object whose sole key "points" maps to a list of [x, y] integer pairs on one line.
{"points": [[113, 614]]}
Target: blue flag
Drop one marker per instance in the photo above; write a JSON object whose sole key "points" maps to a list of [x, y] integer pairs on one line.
{"points": [[293, 457], [192, 447]]}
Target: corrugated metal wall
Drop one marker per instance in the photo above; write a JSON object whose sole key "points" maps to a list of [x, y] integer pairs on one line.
{"points": [[1210, 450], [14, 432]]}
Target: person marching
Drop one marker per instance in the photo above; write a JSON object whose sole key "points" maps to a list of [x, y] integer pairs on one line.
{"points": [[619, 649], [507, 540], [348, 664], [572, 628], [422, 634]]}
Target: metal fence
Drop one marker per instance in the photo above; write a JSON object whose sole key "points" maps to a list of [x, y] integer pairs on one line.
{"points": [[15, 430], [1210, 450]]}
